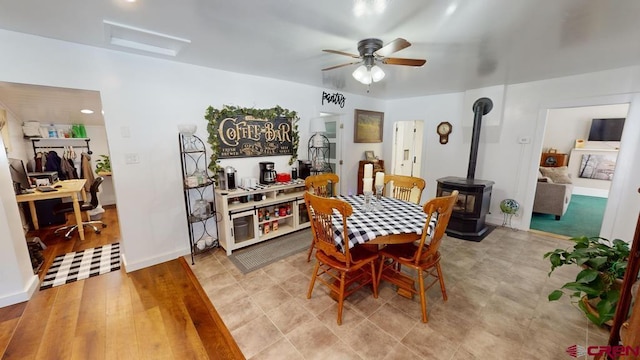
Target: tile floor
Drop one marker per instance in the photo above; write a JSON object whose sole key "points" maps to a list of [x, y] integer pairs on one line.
{"points": [[497, 308]]}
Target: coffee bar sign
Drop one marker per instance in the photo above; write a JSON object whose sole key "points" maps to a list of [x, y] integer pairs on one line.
{"points": [[246, 136]]}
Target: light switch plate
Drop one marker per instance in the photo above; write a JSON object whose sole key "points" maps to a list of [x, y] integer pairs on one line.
{"points": [[131, 158]]}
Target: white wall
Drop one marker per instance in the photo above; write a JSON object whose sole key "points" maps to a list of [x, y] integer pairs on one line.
{"points": [[513, 165], [566, 125], [438, 160], [18, 281], [147, 98]]}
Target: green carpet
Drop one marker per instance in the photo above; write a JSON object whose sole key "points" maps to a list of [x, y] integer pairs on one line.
{"points": [[583, 217]]}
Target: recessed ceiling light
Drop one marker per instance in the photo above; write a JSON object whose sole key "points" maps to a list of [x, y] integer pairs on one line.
{"points": [[86, 111], [131, 0]]}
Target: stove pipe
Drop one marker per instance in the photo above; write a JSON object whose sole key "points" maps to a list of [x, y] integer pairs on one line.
{"points": [[481, 107]]}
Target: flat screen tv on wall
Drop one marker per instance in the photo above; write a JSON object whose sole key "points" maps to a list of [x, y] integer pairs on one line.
{"points": [[606, 129]]}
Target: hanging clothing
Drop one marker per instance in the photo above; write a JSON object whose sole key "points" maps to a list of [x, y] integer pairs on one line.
{"points": [[86, 172], [39, 163], [69, 169], [54, 163]]}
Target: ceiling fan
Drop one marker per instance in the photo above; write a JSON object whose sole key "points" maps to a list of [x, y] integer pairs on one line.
{"points": [[372, 52]]}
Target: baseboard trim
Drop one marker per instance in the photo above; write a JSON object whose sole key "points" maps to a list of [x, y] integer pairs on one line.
{"points": [[21, 296], [603, 193], [133, 266]]}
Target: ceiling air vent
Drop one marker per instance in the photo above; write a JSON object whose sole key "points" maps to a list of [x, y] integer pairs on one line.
{"points": [[143, 40]]}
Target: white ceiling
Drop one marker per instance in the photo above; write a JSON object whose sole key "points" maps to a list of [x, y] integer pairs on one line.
{"points": [[479, 44]]}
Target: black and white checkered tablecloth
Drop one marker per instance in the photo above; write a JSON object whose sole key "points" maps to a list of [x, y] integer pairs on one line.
{"points": [[395, 217]]}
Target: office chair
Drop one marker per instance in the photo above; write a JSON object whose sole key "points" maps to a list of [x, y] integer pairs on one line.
{"points": [[84, 206]]}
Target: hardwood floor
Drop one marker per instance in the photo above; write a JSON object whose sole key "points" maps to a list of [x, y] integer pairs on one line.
{"points": [[157, 312]]}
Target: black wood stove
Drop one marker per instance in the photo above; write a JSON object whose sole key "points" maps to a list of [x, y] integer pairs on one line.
{"points": [[470, 210]]}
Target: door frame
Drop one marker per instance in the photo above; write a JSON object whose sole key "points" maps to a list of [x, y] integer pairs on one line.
{"points": [[616, 197]]}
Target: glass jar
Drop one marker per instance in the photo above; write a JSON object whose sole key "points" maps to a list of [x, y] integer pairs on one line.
{"points": [[200, 208]]}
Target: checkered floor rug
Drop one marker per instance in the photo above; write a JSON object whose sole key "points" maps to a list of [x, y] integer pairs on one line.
{"points": [[82, 264]]}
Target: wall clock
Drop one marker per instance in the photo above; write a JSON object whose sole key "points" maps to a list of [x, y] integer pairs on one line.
{"points": [[444, 129]]}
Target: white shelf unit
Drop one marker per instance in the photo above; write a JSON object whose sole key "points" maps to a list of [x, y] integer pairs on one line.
{"points": [[233, 211]]}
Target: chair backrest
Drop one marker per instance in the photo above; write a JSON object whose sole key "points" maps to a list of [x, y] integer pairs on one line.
{"points": [[320, 211], [407, 188], [442, 207], [95, 185], [325, 185]]}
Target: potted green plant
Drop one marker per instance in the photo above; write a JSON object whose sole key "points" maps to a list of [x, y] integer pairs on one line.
{"points": [[596, 288], [103, 164]]}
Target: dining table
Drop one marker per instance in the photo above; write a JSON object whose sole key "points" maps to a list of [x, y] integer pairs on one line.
{"points": [[387, 221]]}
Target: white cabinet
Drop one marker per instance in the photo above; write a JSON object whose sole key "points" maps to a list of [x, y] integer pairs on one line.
{"points": [[244, 213]]}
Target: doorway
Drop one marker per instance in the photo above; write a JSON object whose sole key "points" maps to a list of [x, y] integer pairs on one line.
{"points": [[567, 134], [407, 148], [29, 110]]}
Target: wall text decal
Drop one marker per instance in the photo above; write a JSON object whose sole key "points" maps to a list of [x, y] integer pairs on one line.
{"points": [[335, 98]]}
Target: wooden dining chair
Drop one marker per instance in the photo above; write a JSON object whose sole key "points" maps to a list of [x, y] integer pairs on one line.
{"points": [[407, 188], [324, 185], [422, 256], [344, 272]]}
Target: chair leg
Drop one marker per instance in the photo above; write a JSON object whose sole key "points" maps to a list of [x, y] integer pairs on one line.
{"points": [[441, 279], [71, 230], [379, 277], [423, 296], [343, 280], [63, 228], [310, 250], [374, 282], [313, 279]]}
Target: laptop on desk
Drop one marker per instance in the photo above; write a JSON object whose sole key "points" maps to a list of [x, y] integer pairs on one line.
{"points": [[45, 188]]}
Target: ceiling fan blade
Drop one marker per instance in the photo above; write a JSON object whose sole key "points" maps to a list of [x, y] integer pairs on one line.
{"points": [[342, 53], [396, 45], [408, 62], [339, 66]]}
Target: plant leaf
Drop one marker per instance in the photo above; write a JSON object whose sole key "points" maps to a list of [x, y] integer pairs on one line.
{"points": [[585, 288], [586, 276], [597, 262], [591, 317], [555, 295]]}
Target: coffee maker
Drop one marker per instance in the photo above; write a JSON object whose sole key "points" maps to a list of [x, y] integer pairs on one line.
{"points": [[304, 168], [267, 173], [227, 178]]}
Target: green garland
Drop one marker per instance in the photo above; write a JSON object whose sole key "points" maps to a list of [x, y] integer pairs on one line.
{"points": [[214, 116]]}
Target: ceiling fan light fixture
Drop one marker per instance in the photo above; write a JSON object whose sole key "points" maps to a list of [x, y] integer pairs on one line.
{"points": [[362, 74], [376, 73]]}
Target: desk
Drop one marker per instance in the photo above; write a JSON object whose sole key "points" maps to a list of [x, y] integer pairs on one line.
{"points": [[397, 222], [70, 188]]}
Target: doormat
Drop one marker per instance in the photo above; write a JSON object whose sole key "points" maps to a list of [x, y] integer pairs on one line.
{"points": [[259, 255], [83, 264]]}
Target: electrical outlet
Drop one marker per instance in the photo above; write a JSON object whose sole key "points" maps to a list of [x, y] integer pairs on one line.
{"points": [[524, 140], [131, 158]]}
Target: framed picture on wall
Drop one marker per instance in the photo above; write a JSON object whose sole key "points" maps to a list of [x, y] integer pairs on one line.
{"points": [[369, 155], [368, 126]]}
